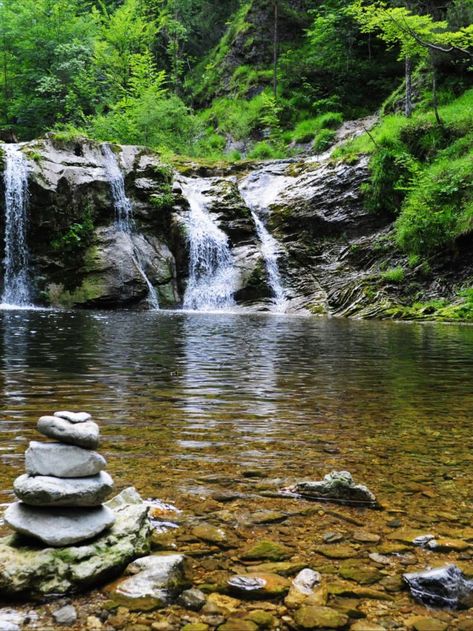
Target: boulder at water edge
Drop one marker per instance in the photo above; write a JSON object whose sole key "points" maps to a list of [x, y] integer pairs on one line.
{"points": [[26, 570], [62, 461], [84, 434], [45, 490]]}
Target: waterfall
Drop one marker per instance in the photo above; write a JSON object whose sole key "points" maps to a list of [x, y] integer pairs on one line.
{"points": [[212, 275], [16, 287], [258, 191], [124, 215]]}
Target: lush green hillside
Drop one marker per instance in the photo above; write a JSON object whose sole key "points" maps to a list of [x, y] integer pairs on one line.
{"points": [[260, 79]]}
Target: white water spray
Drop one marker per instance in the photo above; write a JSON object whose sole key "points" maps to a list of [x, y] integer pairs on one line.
{"points": [[16, 285], [258, 191], [124, 215], [212, 274]]}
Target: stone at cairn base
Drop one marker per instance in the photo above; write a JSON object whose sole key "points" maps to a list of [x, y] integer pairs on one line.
{"points": [[32, 571], [45, 490], [63, 527]]}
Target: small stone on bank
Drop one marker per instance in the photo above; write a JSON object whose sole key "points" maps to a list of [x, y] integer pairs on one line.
{"points": [[65, 615]]}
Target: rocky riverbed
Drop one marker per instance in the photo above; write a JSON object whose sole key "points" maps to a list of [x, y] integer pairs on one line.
{"points": [[244, 547]]}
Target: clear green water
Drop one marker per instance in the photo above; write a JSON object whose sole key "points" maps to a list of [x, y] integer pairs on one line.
{"points": [[193, 404]]}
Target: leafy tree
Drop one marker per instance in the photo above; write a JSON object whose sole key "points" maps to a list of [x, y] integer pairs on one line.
{"points": [[418, 37]]}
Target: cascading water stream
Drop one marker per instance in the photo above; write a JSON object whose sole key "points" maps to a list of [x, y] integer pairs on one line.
{"points": [[212, 274], [124, 215], [16, 287], [258, 191]]}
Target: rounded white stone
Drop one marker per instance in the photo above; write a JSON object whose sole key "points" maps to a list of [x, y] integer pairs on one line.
{"points": [[62, 461], [45, 490], [84, 434], [59, 527]]}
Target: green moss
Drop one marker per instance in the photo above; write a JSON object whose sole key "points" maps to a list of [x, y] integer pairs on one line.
{"points": [[394, 275]]}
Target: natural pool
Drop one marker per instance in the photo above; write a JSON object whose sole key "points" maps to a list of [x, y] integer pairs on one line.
{"points": [[193, 406]]}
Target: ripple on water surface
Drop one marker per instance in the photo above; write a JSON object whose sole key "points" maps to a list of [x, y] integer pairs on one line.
{"points": [[185, 395]]}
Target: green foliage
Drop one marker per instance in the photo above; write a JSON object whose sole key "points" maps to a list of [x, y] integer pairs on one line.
{"points": [[265, 151], [394, 275], [306, 130], [78, 236]]}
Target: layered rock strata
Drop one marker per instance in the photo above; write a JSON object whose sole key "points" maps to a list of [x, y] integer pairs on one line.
{"points": [[62, 492]]}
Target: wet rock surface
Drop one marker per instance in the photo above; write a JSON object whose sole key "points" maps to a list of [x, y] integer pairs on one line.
{"points": [[337, 486], [155, 582], [442, 587]]}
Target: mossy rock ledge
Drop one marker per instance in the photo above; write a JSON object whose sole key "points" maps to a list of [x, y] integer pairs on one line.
{"points": [[30, 570]]}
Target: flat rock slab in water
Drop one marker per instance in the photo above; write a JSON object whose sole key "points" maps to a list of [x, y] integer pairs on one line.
{"points": [[73, 417], [156, 581], [442, 587], [29, 570], [61, 527], [62, 461], [45, 490], [337, 486], [81, 434]]}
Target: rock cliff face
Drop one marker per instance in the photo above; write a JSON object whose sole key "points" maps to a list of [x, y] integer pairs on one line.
{"points": [[332, 254]]}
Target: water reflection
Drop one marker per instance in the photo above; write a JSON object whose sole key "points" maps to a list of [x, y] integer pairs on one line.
{"points": [[182, 397]]}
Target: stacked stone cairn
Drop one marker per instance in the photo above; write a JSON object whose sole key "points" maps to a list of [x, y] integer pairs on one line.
{"points": [[62, 492]]}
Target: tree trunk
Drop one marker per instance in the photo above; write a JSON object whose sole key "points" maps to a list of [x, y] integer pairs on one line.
{"points": [[434, 94], [275, 49], [408, 105]]}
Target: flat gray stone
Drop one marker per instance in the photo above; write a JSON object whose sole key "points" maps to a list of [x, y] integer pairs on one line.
{"points": [[32, 570], [61, 527], [45, 490], [84, 434], [62, 461], [74, 417]]}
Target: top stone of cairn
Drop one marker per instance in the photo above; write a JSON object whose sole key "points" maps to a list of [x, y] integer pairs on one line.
{"points": [[73, 417]]}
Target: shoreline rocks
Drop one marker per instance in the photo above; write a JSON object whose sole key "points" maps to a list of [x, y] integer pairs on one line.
{"points": [[31, 571]]}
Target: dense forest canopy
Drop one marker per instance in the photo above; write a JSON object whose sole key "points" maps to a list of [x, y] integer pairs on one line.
{"points": [[200, 76]]}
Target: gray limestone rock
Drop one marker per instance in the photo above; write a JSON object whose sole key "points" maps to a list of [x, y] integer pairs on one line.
{"points": [[155, 581], [74, 417], [66, 615], [62, 461], [32, 571], [61, 527], [80, 434], [44, 490], [337, 486]]}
